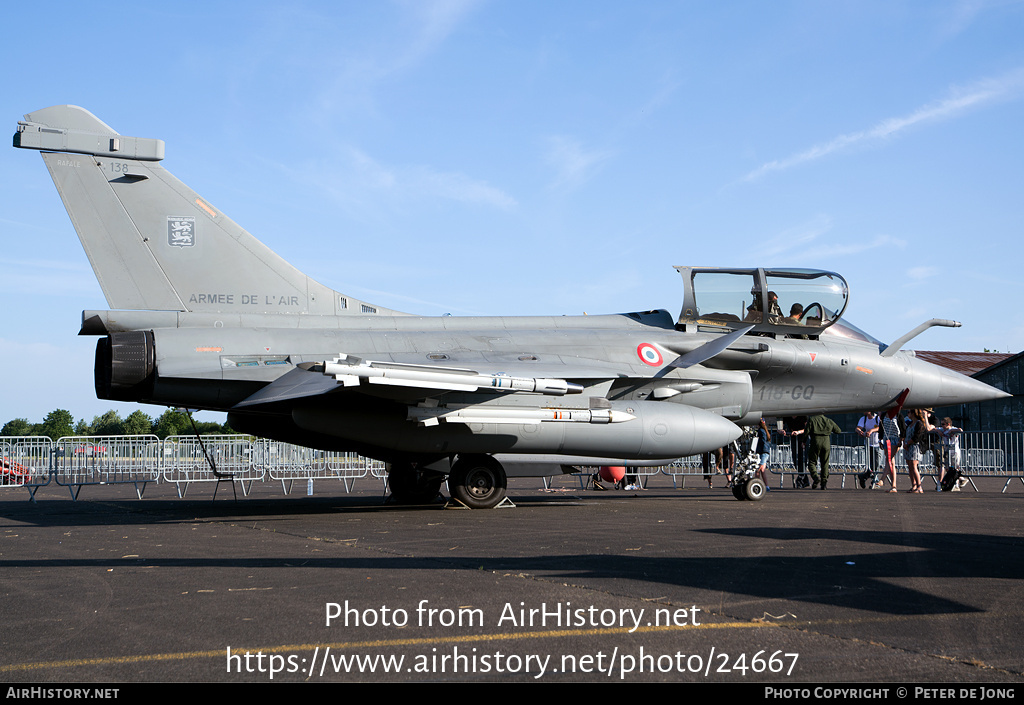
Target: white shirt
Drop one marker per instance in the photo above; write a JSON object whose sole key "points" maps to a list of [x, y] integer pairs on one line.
{"points": [[865, 424]]}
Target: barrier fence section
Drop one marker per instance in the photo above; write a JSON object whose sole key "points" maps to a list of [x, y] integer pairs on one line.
{"points": [[102, 460], [993, 454], [26, 462], [350, 466], [185, 460], [642, 473], [289, 463], [679, 469], [982, 454]]}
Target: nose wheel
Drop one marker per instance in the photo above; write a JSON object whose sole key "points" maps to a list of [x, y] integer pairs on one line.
{"points": [[753, 489]]}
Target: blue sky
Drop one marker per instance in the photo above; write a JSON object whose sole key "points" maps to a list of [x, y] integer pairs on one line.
{"points": [[513, 157]]}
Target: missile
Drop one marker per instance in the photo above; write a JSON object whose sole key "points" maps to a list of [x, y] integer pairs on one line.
{"points": [[350, 371], [431, 416]]}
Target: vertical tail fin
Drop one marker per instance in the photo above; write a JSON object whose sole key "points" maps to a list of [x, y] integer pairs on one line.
{"points": [[155, 244]]}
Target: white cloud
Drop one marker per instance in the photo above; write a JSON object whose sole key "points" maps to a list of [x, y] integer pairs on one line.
{"points": [[961, 15], [856, 247], [371, 172], [434, 21], [959, 100], [351, 73], [794, 239], [365, 175], [458, 187], [806, 243], [573, 164]]}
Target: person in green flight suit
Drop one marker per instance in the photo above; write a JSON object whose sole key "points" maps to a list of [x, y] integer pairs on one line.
{"points": [[819, 446]]}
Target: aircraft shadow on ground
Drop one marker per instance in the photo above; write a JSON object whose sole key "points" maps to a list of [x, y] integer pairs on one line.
{"points": [[864, 581], [85, 512]]}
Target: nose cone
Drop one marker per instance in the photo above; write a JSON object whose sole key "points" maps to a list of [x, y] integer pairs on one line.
{"points": [[937, 386]]}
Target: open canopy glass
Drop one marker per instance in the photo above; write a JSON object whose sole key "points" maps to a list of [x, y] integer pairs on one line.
{"points": [[800, 302]]}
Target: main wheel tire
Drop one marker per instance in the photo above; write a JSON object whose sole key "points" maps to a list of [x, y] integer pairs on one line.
{"points": [[478, 481], [737, 492], [755, 489], [411, 486]]}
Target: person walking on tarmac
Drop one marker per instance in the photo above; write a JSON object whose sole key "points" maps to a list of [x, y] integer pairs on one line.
{"points": [[819, 446], [794, 427]]}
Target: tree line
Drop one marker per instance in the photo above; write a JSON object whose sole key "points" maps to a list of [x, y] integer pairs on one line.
{"points": [[59, 423]]}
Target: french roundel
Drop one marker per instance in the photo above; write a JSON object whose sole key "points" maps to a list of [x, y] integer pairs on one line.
{"points": [[649, 354]]}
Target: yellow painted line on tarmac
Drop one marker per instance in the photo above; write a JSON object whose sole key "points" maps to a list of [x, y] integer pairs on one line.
{"points": [[379, 644]]}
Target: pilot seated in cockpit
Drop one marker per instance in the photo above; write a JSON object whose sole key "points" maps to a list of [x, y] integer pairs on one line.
{"points": [[754, 309]]}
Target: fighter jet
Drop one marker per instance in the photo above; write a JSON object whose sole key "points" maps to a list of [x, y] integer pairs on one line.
{"points": [[204, 316]]}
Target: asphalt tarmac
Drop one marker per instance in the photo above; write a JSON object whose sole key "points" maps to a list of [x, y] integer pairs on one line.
{"points": [[570, 585]]}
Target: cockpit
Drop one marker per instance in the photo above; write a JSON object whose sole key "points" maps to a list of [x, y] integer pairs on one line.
{"points": [[797, 303]]}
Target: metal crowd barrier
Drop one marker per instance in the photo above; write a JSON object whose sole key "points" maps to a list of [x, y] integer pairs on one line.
{"points": [[348, 467], [101, 460], [222, 458], [586, 472], [32, 462], [678, 470], [74, 462], [982, 454], [994, 454], [289, 463], [26, 462], [378, 469]]}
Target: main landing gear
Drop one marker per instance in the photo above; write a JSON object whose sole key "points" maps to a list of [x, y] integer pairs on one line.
{"points": [[477, 481], [410, 484]]}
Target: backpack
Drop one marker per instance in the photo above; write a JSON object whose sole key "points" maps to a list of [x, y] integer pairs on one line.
{"points": [[950, 479], [921, 437]]}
